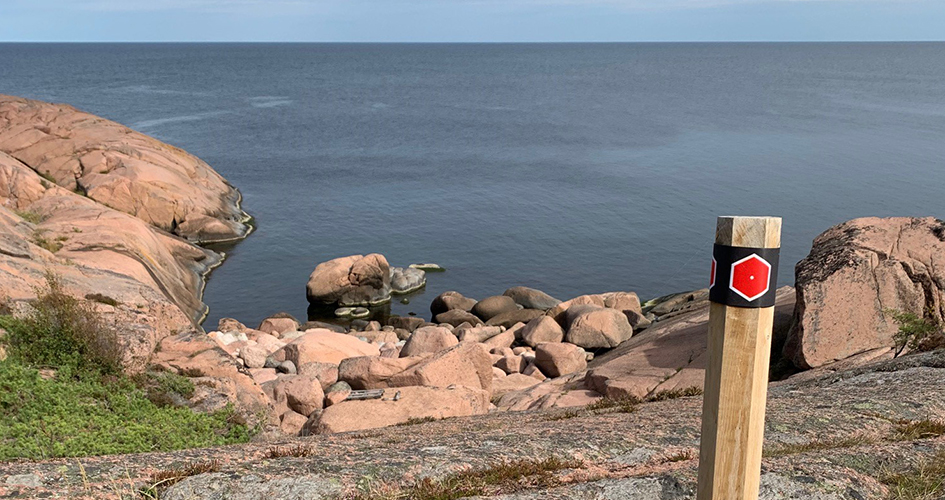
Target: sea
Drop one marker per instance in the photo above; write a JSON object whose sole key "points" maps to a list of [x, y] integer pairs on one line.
{"points": [[571, 168]]}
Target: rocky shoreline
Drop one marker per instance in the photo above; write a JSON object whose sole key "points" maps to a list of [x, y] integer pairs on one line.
{"points": [[119, 217]]}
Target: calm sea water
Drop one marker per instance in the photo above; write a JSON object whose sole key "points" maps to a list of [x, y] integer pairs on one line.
{"points": [[573, 168]]}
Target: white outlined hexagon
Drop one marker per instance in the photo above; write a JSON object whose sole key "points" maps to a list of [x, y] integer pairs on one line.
{"points": [[731, 278], [715, 266]]}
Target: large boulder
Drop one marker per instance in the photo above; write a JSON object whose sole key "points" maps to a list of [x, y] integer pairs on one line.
{"points": [[303, 394], [490, 307], [509, 318], [406, 280], [447, 301], [511, 383], [356, 280], [529, 298], [413, 403], [594, 327], [856, 275], [558, 312], [456, 317], [540, 330], [428, 340], [278, 324], [326, 346], [373, 372], [466, 364], [560, 358]]}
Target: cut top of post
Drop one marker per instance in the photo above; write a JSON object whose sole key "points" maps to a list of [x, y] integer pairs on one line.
{"points": [[751, 232]]}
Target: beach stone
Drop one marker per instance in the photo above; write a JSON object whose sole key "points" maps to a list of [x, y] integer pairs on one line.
{"points": [[230, 325], [379, 336], [356, 280], [533, 371], [428, 340], [373, 372], [278, 324], [477, 333], [530, 298], [465, 364], [405, 322], [559, 358], [540, 330], [623, 301], [490, 307], [326, 373], [253, 356], [511, 383], [303, 394], [497, 373], [502, 340], [447, 301], [326, 346], [856, 274], [287, 367], [594, 327], [291, 422], [507, 319], [457, 317], [511, 364], [406, 280], [414, 403], [558, 312]]}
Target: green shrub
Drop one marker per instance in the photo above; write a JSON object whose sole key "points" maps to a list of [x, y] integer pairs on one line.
{"points": [[62, 331], [88, 406], [918, 334], [83, 414]]}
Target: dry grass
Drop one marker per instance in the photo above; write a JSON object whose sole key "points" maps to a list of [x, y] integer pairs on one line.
{"points": [[502, 478], [162, 480], [910, 430], [819, 445], [925, 482], [565, 415], [626, 404], [299, 451], [417, 421], [675, 394]]}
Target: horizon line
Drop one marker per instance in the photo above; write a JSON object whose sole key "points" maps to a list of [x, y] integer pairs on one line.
{"points": [[338, 42]]}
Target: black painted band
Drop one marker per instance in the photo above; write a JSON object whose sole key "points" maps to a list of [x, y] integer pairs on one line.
{"points": [[744, 277]]}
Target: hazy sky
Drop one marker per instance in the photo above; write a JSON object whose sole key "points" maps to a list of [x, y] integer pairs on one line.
{"points": [[470, 20]]}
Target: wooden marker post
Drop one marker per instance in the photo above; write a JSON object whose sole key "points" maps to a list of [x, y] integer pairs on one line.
{"points": [[741, 317]]}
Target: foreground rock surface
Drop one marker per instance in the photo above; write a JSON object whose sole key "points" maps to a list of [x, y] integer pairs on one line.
{"points": [[650, 453], [856, 274]]}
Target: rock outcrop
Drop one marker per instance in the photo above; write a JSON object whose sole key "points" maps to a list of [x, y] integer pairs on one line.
{"points": [[122, 169], [856, 275]]}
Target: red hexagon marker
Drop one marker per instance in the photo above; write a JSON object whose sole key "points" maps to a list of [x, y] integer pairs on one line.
{"points": [[712, 278], [750, 277]]}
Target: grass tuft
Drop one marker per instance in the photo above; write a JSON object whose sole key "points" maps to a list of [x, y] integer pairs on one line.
{"points": [[29, 216], [508, 476], [818, 445], [164, 479], [924, 482], [417, 421], [299, 451], [675, 394], [910, 430], [102, 299], [625, 404]]}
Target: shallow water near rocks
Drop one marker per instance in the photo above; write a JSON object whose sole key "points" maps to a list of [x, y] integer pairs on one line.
{"points": [[572, 168]]}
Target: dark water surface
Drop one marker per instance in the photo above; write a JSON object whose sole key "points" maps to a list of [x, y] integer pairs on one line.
{"points": [[573, 168]]}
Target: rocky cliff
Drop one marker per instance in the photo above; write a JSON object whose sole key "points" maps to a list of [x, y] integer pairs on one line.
{"points": [[114, 214]]}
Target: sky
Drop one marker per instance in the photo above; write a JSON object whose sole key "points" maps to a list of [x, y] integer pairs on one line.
{"points": [[470, 20]]}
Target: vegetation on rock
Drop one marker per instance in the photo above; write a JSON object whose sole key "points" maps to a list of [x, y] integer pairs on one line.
{"points": [[63, 394]]}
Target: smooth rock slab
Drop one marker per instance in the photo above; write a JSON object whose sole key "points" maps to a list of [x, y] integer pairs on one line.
{"points": [[217, 486]]}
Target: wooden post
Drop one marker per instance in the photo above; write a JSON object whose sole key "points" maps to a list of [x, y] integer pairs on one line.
{"points": [[739, 346]]}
